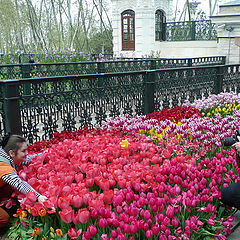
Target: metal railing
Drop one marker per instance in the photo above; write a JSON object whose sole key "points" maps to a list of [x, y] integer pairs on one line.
{"points": [[17, 71], [190, 31], [38, 107]]}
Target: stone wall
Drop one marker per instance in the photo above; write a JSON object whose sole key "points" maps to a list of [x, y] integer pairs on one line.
{"points": [[187, 49]]}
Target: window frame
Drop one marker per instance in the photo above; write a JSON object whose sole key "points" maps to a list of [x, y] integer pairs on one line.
{"points": [[160, 20], [128, 30]]}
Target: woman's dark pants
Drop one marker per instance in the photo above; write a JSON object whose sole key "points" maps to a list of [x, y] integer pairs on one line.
{"points": [[231, 195]]}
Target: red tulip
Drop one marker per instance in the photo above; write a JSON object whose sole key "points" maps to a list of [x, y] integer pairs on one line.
{"points": [[63, 202], [67, 215], [108, 196], [83, 215], [66, 190], [29, 200], [77, 201], [73, 233]]}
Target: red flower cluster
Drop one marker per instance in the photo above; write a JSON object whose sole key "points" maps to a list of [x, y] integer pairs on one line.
{"points": [[38, 146], [175, 114]]}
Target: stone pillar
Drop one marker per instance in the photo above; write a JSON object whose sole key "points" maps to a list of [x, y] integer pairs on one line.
{"points": [[228, 22]]}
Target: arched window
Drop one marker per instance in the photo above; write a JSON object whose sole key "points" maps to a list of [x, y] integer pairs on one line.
{"points": [[128, 30], [160, 19]]}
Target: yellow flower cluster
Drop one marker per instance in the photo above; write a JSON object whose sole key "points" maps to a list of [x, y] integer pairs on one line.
{"points": [[224, 110], [164, 133]]}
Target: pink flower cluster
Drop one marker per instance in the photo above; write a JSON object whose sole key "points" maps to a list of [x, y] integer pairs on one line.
{"points": [[143, 191]]}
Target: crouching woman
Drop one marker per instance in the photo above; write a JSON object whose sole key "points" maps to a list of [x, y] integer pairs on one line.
{"points": [[13, 153]]}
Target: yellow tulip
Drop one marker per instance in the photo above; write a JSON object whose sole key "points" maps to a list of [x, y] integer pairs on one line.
{"points": [[141, 131], [124, 144], [152, 132], [159, 136], [208, 114]]}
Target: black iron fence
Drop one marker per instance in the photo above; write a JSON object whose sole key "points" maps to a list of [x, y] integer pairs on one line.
{"points": [[38, 107], [190, 31], [17, 71]]}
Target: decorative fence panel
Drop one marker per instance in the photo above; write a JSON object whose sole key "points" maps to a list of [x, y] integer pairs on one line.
{"points": [[38, 107], [190, 31], [174, 87], [231, 78], [17, 71]]}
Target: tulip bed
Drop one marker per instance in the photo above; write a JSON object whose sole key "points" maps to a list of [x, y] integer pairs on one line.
{"points": [[157, 176]]}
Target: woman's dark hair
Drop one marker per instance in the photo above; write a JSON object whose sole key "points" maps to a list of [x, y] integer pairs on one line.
{"points": [[12, 142]]}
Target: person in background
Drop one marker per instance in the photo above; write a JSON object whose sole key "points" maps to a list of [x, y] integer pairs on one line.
{"points": [[31, 60], [231, 195], [13, 153]]}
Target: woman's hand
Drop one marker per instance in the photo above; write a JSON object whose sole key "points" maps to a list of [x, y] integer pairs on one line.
{"points": [[42, 199]]}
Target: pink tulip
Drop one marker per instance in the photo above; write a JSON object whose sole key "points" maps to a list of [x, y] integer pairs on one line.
{"points": [[146, 214], [211, 222], [148, 234], [155, 229], [170, 211], [114, 234], [104, 236]]}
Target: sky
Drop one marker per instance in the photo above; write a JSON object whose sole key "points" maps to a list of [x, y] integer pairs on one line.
{"points": [[203, 4]]}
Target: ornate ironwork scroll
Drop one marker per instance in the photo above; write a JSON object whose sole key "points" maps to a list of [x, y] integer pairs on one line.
{"points": [[69, 104], [174, 86], [190, 31], [231, 77]]}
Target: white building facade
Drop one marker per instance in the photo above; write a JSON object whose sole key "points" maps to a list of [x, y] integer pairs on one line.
{"points": [[138, 31], [228, 21], [134, 25]]}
